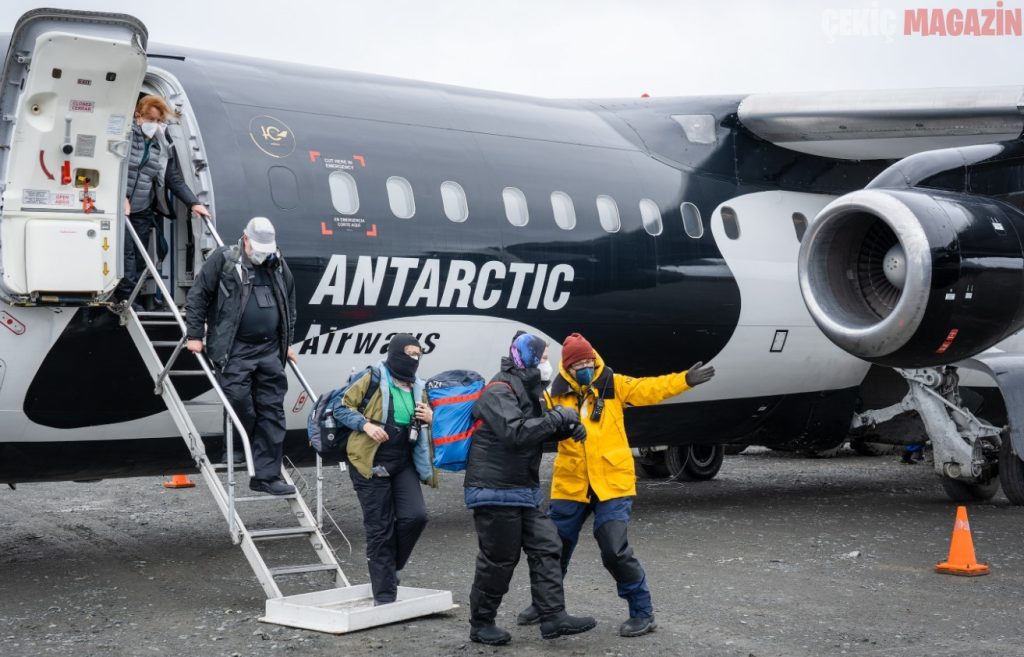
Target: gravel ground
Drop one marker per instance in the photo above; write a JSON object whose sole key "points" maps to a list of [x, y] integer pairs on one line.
{"points": [[777, 556]]}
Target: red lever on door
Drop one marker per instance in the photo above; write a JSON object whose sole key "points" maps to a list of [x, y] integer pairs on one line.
{"points": [[65, 173]]}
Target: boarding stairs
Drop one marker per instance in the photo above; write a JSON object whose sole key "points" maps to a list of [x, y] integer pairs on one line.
{"points": [[160, 338]]}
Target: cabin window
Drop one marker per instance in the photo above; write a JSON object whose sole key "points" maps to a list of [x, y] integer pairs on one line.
{"points": [[731, 223], [565, 213], [400, 198], [799, 225], [651, 216], [692, 223], [456, 208], [608, 213], [515, 206], [344, 193]]}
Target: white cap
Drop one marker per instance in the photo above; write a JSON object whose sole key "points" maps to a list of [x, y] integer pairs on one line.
{"points": [[261, 235]]}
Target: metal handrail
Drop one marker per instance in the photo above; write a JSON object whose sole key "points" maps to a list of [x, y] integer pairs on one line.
{"points": [[151, 270], [213, 230], [319, 461]]}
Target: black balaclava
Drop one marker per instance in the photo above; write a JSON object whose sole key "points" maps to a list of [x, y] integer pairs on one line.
{"points": [[401, 365]]}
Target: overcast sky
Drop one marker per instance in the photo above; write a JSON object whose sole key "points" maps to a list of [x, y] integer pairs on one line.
{"points": [[591, 48]]}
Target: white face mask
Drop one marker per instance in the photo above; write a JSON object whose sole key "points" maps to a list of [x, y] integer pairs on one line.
{"points": [[546, 371], [259, 257], [149, 128]]}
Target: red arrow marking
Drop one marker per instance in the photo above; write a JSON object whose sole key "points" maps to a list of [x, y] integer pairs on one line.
{"points": [[313, 155], [372, 232], [324, 230], [360, 159]]}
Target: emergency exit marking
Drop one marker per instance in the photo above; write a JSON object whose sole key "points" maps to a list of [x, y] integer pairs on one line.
{"points": [[779, 342]]}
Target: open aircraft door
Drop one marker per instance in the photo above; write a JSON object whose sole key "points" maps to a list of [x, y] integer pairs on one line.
{"points": [[70, 83]]}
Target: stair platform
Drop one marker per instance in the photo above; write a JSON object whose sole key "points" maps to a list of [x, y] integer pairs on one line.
{"points": [[350, 609]]}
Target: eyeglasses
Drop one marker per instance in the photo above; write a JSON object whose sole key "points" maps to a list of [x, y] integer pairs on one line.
{"points": [[590, 362]]}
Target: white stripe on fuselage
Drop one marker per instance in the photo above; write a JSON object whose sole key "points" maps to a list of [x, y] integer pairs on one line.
{"points": [[764, 261]]}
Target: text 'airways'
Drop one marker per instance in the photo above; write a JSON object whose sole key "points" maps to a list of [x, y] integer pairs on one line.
{"points": [[431, 283]]}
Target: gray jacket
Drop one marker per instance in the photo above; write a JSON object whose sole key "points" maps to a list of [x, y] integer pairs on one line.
{"points": [[217, 299], [143, 176]]}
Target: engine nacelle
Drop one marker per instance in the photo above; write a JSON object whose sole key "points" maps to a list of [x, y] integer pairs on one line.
{"points": [[913, 277]]}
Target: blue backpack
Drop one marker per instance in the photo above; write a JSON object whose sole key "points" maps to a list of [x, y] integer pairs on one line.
{"points": [[325, 435], [452, 395]]}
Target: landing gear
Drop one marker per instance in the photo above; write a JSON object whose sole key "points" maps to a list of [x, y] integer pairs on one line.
{"points": [[694, 462], [963, 492], [965, 449]]}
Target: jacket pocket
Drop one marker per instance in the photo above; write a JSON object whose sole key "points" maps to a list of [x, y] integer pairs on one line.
{"points": [[620, 474], [569, 477]]}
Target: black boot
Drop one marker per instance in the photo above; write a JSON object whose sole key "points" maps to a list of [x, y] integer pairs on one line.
{"points": [[490, 635], [637, 626], [272, 486], [528, 616], [562, 624]]}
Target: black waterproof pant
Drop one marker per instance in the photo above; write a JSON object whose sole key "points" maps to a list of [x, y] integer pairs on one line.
{"points": [[503, 532], [254, 382], [134, 264], [394, 516]]}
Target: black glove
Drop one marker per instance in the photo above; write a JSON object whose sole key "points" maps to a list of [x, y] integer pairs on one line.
{"points": [[569, 423], [697, 374], [578, 432], [564, 416]]}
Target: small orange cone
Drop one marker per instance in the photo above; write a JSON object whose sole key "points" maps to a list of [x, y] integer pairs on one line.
{"points": [[961, 560], [179, 481]]}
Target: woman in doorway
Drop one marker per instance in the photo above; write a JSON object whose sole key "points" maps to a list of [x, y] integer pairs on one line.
{"points": [[149, 158]]}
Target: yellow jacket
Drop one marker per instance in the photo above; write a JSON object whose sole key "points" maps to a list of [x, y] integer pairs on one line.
{"points": [[603, 462]]}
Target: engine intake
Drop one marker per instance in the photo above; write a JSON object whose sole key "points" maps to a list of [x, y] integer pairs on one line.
{"points": [[913, 277]]}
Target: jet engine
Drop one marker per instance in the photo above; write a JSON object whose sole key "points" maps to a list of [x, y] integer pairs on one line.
{"points": [[913, 277]]}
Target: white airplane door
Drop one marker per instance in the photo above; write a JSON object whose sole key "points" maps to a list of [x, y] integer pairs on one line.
{"points": [[70, 83]]}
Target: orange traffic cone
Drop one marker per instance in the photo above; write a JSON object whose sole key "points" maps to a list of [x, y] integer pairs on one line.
{"points": [[961, 560], [179, 481]]}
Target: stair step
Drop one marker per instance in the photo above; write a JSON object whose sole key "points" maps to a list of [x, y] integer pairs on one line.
{"points": [[158, 322], [165, 343], [264, 534], [265, 498], [186, 373], [155, 313], [201, 403], [298, 570]]}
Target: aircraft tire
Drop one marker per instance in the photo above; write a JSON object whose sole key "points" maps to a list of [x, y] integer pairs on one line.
{"points": [[694, 462], [962, 492], [1011, 473]]}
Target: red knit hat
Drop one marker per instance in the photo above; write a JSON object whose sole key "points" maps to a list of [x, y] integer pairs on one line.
{"points": [[576, 348]]}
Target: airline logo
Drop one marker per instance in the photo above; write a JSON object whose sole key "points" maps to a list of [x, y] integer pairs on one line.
{"points": [[436, 283]]}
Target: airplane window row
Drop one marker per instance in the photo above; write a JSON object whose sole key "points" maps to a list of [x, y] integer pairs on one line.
{"points": [[345, 198]]}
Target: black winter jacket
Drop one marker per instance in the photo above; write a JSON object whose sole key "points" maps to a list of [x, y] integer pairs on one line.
{"points": [[506, 447], [218, 297], [142, 177]]}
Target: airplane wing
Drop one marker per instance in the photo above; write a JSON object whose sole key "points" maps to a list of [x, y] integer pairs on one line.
{"points": [[885, 124]]}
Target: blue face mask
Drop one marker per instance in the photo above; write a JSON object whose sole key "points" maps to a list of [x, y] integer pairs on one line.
{"points": [[584, 376]]}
